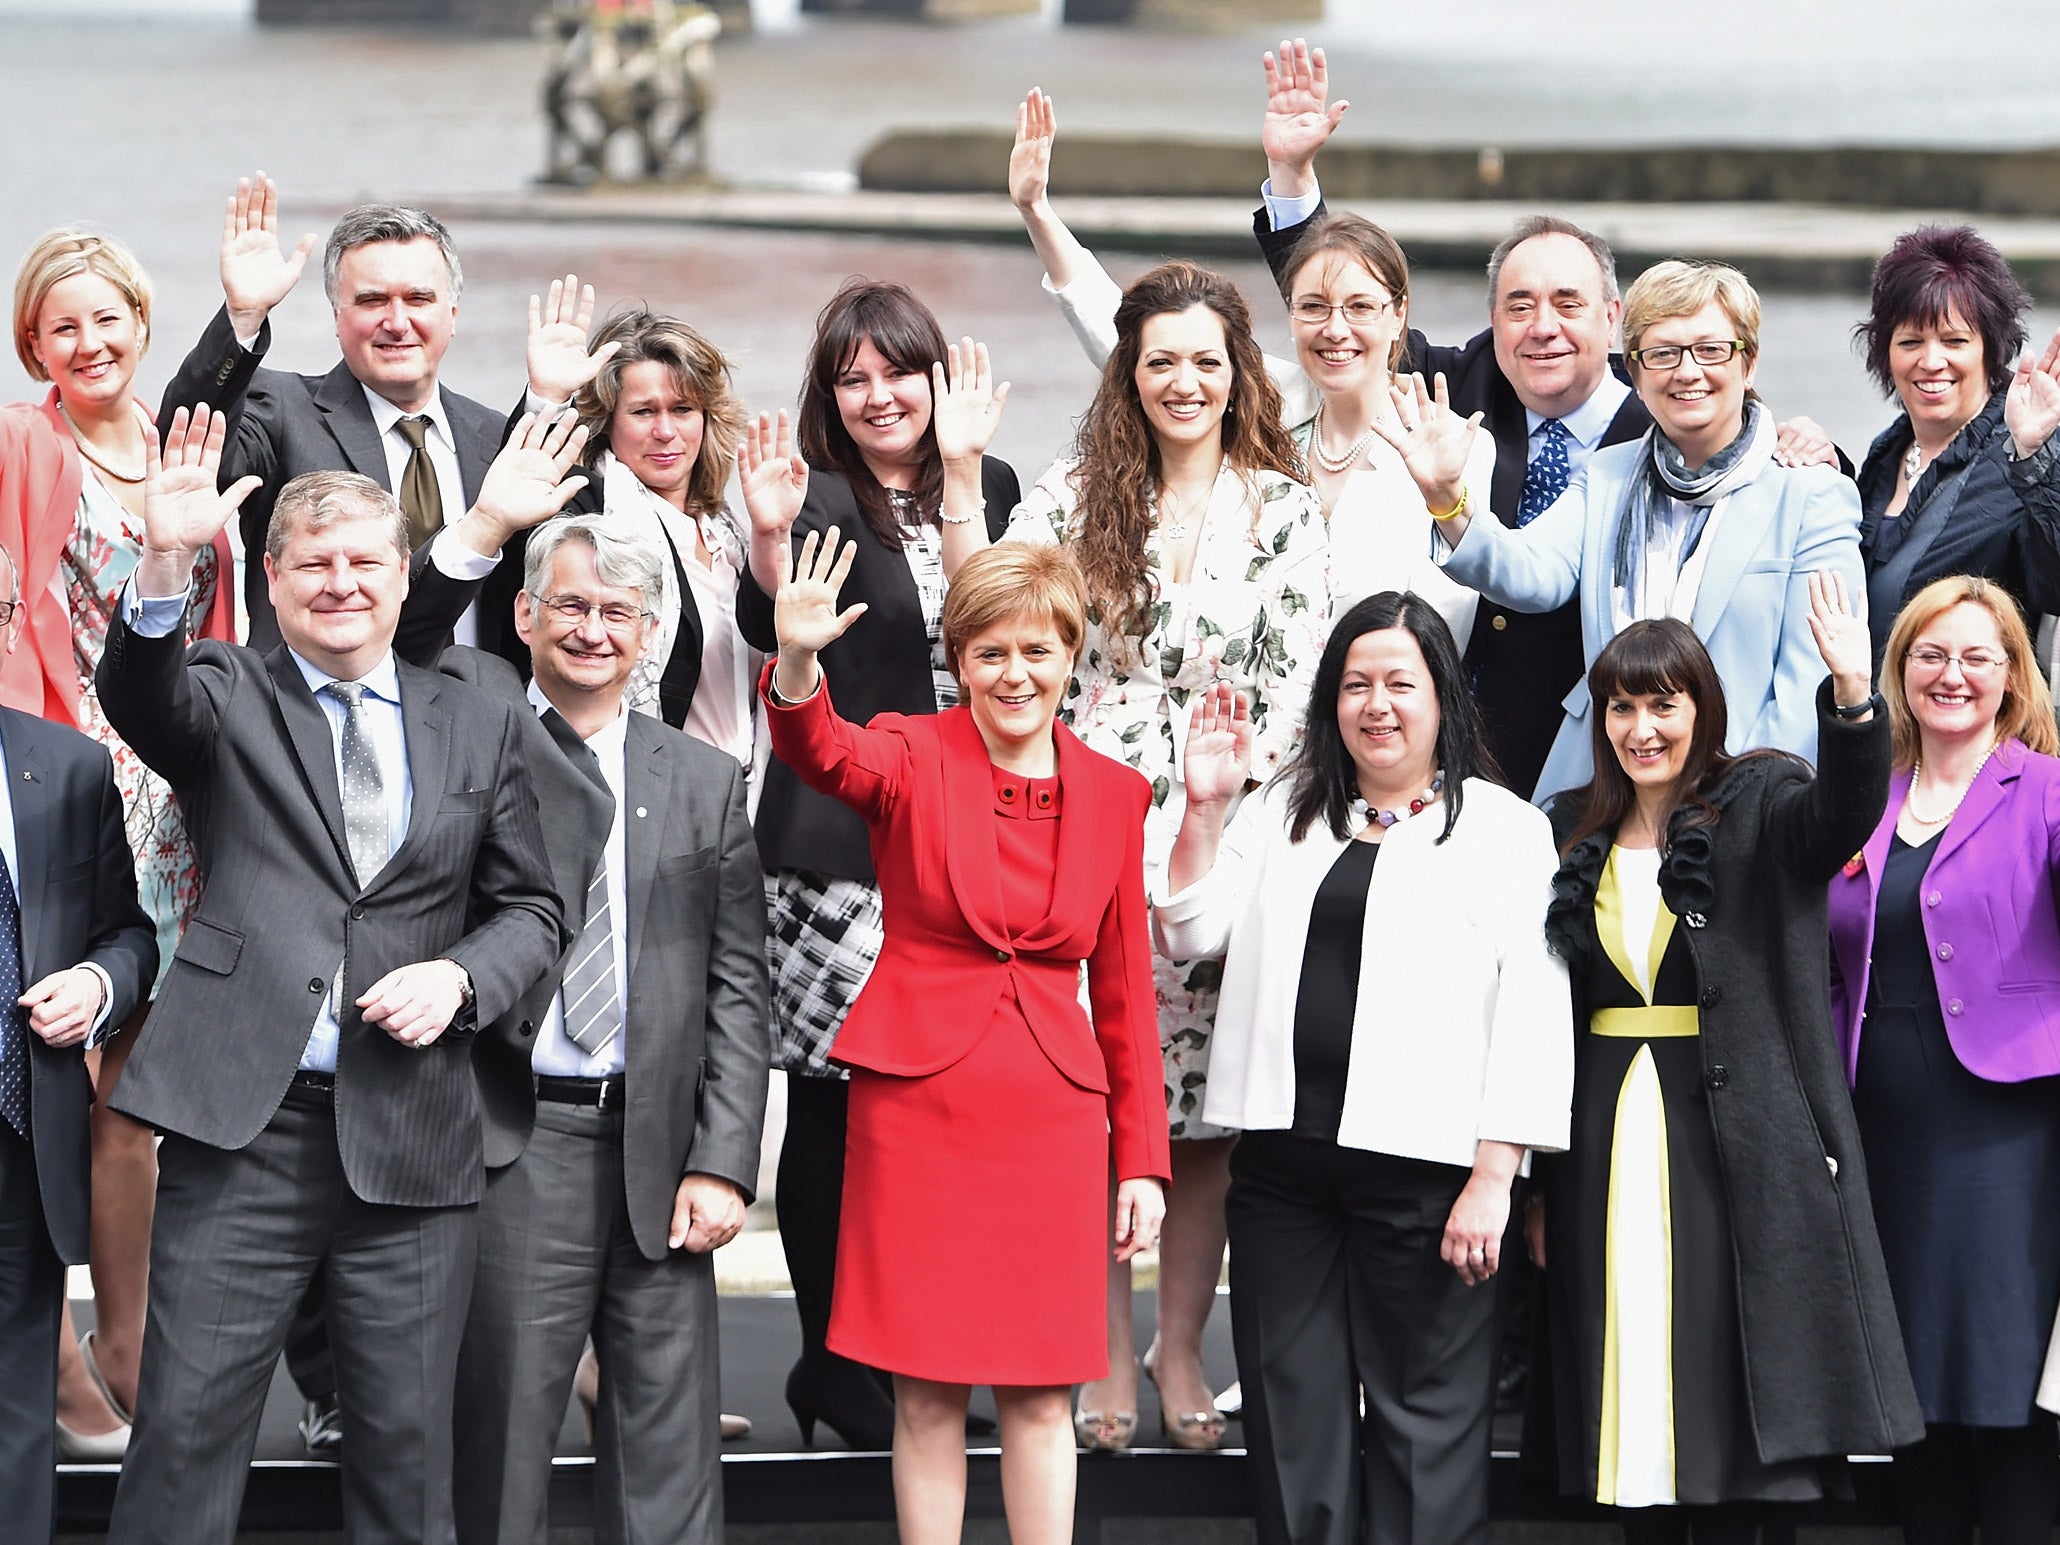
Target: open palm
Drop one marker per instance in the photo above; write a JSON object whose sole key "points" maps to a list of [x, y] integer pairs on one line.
{"points": [[773, 477], [1299, 120], [805, 615], [965, 403], [1218, 756], [183, 511], [256, 272], [2032, 409], [557, 355], [1434, 442]]}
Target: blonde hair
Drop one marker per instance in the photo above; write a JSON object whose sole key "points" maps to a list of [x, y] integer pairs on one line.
{"points": [[1681, 287], [62, 255], [2026, 713], [1014, 579]]}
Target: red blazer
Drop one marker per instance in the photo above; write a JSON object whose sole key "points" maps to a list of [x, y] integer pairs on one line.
{"points": [[948, 959]]}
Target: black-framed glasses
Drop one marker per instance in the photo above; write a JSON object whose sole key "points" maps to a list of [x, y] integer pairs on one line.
{"points": [[7, 611], [573, 611], [1667, 356], [1359, 311]]}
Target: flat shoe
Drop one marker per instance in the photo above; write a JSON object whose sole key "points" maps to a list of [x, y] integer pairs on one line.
{"points": [[94, 1448], [1104, 1432]]}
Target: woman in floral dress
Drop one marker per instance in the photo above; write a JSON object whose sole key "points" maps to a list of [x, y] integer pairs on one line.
{"points": [[71, 508], [1206, 561]]}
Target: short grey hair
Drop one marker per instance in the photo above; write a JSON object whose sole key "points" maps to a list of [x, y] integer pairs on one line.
{"points": [[368, 223], [624, 561], [317, 499], [1552, 225]]}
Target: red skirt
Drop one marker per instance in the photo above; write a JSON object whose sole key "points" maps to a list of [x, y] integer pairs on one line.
{"points": [[974, 1245]]}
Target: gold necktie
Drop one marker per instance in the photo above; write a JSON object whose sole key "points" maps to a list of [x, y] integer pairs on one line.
{"points": [[421, 499]]}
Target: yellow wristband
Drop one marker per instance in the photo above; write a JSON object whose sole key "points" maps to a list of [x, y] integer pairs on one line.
{"points": [[1456, 510]]}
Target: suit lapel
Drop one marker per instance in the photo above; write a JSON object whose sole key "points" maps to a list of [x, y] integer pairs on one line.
{"points": [[426, 724], [475, 434], [28, 788], [341, 397], [1738, 536], [648, 770], [971, 856], [1985, 796], [307, 731], [1090, 835]]}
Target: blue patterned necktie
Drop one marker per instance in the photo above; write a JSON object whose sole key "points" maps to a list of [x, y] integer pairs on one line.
{"points": [[1549, 472], [14, 1027]]}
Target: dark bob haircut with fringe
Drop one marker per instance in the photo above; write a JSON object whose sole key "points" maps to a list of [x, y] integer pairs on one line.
{"points": [[1936, 269]]}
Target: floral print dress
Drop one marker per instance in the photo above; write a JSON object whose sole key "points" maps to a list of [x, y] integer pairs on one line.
{"points": [[1255, 613], [106, 546]]}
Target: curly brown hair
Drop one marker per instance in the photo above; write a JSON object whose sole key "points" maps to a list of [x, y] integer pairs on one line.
{"points": [[1118, 475], [700, 373]]}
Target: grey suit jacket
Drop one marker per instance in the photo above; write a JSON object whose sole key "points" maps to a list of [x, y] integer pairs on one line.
{"points": [[697, 1031], [282, 425], [77, 883], [246, 747]]}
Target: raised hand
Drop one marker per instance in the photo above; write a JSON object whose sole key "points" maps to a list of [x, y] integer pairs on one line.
{"points": [[256, 274], [527, 484], [805, 616], [772, 475], [1434, 442], [1218, 757], [1298, 121], [965, 404], [1842, 639], [2032, 408], [1030, 161], [559, 362], [183, 511]]}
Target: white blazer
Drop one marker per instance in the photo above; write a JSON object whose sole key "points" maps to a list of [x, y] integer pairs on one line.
{"points": [[1463, 1029]]}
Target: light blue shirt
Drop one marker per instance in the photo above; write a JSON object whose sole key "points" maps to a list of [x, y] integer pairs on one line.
{"points": [[156, 616]]}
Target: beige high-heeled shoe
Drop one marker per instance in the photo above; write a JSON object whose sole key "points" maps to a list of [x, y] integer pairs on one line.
{"points": [[1186, 1429]]}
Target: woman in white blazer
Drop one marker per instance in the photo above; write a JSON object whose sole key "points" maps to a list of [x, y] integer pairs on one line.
{"points": [[1695, 521], [1394, 1036]]}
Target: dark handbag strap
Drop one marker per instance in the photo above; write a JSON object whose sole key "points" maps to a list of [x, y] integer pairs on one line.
{"points": [[1885, 585]]}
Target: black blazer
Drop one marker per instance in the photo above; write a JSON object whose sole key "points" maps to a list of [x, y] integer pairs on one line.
{"points": [[282, 425], [249, 752], [77, 882], [697, 1029], [881, 666], [1523, 664]]}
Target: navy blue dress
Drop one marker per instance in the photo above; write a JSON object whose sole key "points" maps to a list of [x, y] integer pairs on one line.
{"points": [[1966, 1180]]}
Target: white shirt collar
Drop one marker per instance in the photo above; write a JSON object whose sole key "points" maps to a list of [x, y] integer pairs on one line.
{"points": [[611, 740], [386, 415], [1591, 420], [383, 680]]}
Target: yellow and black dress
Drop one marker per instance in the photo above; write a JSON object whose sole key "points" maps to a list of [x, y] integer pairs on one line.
{"points": [[1642, 1233]]}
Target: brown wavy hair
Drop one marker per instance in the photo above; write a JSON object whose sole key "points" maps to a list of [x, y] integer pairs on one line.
{"points": [[906, 333], [1118, 475], [700, 373]]}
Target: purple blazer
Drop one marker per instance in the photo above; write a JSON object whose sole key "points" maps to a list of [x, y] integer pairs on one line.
{"points": [[1989, 916]]}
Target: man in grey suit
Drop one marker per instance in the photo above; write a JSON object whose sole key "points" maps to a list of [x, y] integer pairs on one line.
{"points": [[376, 887], [77, 955], [625, 1092]]}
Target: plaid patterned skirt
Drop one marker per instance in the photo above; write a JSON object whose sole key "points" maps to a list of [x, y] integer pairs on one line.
{"points": [[822, 936]]}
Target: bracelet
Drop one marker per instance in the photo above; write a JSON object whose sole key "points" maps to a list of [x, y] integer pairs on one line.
{"points": [[962, 520], [1456, 510], [1875, 703]]}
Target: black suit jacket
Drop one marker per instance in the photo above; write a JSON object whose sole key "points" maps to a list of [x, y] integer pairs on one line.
{"points": [[249, 752], [282, 425], [882, 665], [77, 882], [1523, 664], [697, 1033]]}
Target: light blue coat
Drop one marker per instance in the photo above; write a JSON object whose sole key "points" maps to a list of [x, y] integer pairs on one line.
{"points": [[1752, 610]]}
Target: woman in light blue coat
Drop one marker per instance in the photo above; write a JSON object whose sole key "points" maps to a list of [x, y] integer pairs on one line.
{"points": [[1695, 521]]}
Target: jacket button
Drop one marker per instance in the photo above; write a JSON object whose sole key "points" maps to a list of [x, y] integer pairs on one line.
{"points": [[529, 1027], [1498, 622], [1711, 997], [1955, 1008], [1718, 1076], [357, 914], [1001, 954], [1933, 898], [1945, 952], [315, 985]]}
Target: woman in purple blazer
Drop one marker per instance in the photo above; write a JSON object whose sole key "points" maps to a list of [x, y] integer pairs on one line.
{"points": [[1945, 984]]}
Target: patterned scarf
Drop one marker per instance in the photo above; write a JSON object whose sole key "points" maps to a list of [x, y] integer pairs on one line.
{"points": [[1668, 476]]}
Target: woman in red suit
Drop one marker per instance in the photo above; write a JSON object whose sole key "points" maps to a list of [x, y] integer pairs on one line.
{"points": [[985, 1110]]}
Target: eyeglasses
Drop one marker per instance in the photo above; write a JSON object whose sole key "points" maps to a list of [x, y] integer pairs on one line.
{"points": [[574, 610], [1358, 311], [1929, 657], [7, 611], [1667, 356]]}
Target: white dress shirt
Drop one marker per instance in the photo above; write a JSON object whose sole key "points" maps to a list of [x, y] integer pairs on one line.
{"points": [[556, 1054]]}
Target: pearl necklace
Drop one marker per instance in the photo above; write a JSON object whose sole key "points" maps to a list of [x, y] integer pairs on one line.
{"points": [[1374, 816], [86, 450], [1917, 771], [1331, 463]]}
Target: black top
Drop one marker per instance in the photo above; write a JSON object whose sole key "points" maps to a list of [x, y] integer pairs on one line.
{"points": [[1329, 991], [2005, 525]]}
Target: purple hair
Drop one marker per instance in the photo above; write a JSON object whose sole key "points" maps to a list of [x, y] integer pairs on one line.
{"points": [[1939, 268]]}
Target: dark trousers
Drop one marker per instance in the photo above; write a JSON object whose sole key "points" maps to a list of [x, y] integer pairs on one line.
{"points": [[1336, 1286], [237, 1237], [31, 1301], [557, 1261], [2006, 1479]]}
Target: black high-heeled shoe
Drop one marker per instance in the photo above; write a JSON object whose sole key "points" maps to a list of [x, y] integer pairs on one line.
{"points": [[852, 1405]]}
